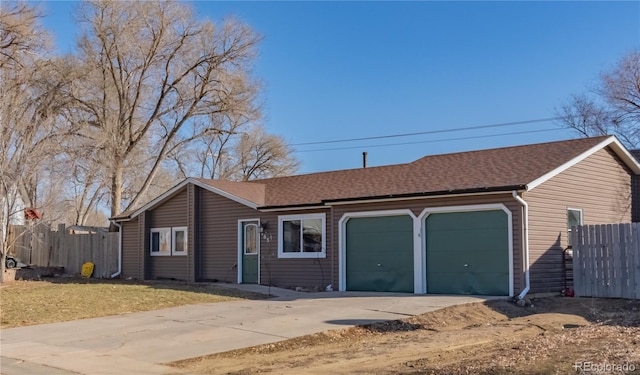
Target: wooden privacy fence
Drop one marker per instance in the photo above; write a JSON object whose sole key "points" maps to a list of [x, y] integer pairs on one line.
{"points": [[606, 260], [41, 246]]}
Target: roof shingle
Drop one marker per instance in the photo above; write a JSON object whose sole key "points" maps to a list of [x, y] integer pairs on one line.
{"points": [[493, 169], [499, 169]]}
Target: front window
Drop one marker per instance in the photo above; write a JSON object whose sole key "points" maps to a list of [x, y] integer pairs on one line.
{"points": [[168, 241], [302, 236], [160, 241], [179, 241], [574, 219]]}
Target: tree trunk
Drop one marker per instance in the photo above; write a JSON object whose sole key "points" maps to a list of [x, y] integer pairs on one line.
{"points": [[116, 188]]}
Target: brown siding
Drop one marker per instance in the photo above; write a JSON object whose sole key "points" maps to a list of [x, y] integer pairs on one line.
{"points": [[130, 250], [599, 185], [217, 258], [171, 213], [292, 273], [418, 205], [217, 255]]}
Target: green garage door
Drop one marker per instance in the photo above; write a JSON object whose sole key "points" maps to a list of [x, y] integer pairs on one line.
{"points": [[379, 254], [468, 253]]}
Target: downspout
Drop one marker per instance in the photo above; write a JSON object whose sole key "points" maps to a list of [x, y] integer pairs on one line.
{"points": [[527, 282], [119, 250], [334, 251]]}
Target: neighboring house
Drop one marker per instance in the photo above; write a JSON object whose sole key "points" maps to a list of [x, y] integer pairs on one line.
{"points": [[488, 222]]}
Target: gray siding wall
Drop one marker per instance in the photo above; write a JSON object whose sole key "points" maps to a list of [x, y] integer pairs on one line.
{"points": [[172, 213], [418, 205], [599, 185], [130, 250]]}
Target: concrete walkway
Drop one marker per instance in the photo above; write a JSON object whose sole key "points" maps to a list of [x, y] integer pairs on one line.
{"points": [[139, 343]]}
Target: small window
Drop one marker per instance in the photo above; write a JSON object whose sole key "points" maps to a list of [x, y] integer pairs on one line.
{"points": [[160, 241], [302, 236], [574, 218], [251, 239], [179, 241]]}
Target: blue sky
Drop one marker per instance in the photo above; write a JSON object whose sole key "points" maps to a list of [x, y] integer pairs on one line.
{"points": [[342, 70]]}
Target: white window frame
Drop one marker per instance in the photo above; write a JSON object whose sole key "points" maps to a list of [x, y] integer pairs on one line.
{"points": [[568, 227], [301, 254], [163, 232], [173, 241]]}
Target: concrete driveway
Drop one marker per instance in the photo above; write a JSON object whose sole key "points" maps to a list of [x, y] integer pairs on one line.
{"points": [[139, 343]]}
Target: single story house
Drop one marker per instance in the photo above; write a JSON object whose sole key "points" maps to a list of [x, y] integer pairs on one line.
{"points": [[489, 222]]}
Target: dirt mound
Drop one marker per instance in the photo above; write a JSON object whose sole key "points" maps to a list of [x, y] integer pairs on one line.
{"points": [[554, 335]]}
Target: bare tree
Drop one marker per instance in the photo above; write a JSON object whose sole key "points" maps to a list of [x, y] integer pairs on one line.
{"points": [[150, 74], [29, 105], [612, 107], [261, 155]]}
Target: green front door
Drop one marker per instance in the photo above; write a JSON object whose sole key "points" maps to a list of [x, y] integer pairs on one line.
{"points": [[379, 254], [250, 242], [468, 253]]}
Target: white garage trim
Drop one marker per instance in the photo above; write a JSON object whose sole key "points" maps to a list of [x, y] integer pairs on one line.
{"points": [[470, 208], [342, 244]]}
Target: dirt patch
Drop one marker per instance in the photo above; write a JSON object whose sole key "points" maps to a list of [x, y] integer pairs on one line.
{"points": [[555, 335], [32, 273]]}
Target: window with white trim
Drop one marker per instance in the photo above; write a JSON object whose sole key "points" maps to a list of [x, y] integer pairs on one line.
{"points": [[302, 236], [179, 237], [160, 241], [574, 218], [168, 241]]}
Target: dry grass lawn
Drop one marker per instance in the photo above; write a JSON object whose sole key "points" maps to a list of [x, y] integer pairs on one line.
{"points": [[24, 303]]}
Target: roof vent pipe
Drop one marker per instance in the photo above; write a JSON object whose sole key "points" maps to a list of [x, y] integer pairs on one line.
{"points": [[364, 159]]}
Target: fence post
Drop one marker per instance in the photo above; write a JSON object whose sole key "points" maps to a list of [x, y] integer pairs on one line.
{"points": [[577, 242]]}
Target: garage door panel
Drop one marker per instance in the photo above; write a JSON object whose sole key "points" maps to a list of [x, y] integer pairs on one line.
{"points": [[467, 253], [474, 283], [471, 220], [488, 239], [379, 254]]}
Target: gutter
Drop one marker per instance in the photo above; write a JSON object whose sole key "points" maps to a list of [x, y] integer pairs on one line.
{"points": [[117, 273], [527, 281]]}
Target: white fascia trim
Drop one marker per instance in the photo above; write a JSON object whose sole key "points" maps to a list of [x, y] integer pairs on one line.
{"points": [[178, 187], [342, 244], [156, 201], [241, 250], [467, 208], [342, 203], [612, 142]]}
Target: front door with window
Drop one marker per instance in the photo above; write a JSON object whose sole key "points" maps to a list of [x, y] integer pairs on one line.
{"points": [[250, 242]]}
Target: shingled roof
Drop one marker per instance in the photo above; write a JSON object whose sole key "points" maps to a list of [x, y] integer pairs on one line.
{"points": [[475, 171], [500, 169]]}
